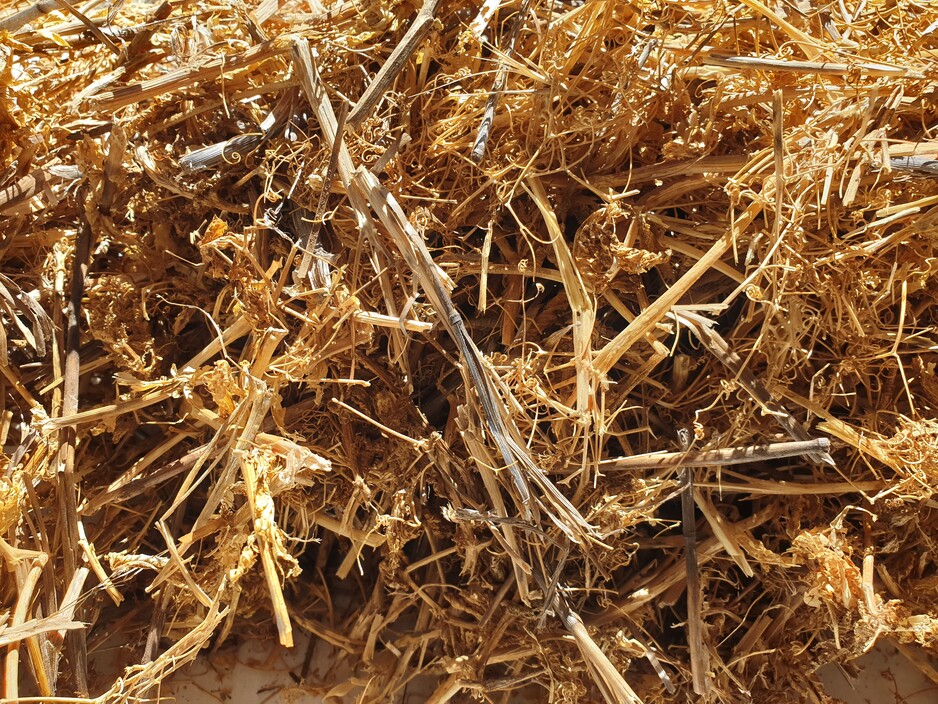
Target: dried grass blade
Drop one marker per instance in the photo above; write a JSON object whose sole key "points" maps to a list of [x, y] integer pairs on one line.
{"points": [[723, 531], [24, 598], [37, 626], [808, 44], [501, 79], [14, 21], [309, 244], [139, 682], [759, 63], [68, 482]]}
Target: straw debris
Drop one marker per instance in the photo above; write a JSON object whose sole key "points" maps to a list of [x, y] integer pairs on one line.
{"points": [[582, 351]]}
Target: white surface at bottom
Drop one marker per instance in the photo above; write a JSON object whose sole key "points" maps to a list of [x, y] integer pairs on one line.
{"points": [[261, 672]]}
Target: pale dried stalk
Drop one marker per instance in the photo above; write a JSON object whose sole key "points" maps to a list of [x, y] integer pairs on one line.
{"points": [[582, 306], [759, 63], [808, 44], [254, 409], [263, 518], [386, 321], [310, 242], [12, 22], [37, 626], [613, 686], [484, 16], [761, 487], [721, 164], [484, 463], [92, 558], [177, 565], [717, 458], [723, 531], [648, 318], [370, 538], [67, 481], [103, 413], [19, 618], [139, 682], [72, 597], [395, 63], [91, 26], [184, 77]]}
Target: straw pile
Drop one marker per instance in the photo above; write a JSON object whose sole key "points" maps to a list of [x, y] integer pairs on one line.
{"points": [[578, 351]]}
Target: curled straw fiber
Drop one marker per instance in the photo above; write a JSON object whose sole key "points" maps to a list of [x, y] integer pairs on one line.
{"points": [[571, 351]]}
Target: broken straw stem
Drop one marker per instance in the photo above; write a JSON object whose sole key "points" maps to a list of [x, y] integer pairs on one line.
{"points": [[311, 241], [726, 456]]}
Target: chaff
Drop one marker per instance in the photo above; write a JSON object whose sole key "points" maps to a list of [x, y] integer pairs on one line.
{"points": [[281, 351]]}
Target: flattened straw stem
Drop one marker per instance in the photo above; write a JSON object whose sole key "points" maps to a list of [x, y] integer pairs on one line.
{"points": [[712, 458], [501, 78], [610, 681], [759, 63], [187, 76]]}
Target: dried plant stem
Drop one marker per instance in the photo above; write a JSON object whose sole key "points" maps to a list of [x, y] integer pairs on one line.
{"points": [[609, 680], [310, 243], [11, 674], [92, 27], [14, 21], [75, 640], [717, 458], [757, 63], [699, 658], [648, 318], [395, 63], [175, 80], [501, 79]]}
